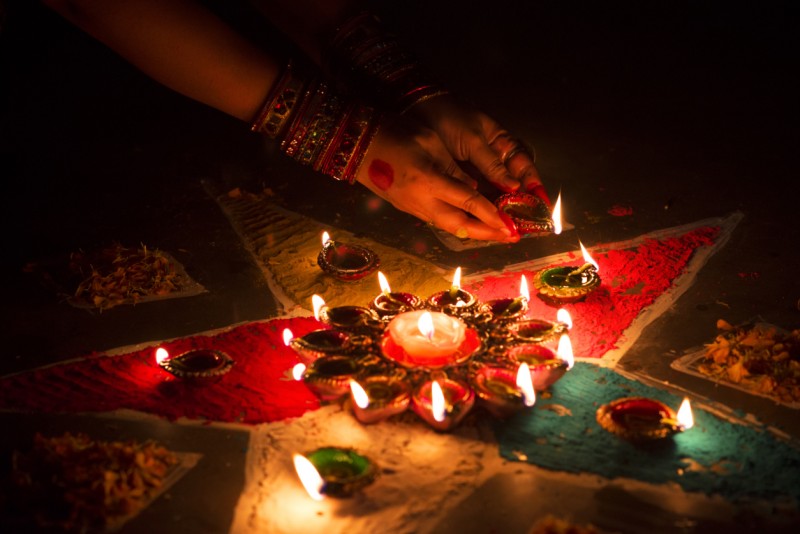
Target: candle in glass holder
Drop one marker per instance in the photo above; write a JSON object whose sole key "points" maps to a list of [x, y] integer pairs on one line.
{"points": [[561, 285], [346, 262], [443, 402], [389, 303]]}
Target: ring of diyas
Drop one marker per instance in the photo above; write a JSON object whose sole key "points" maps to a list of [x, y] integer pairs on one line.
{"points": [[343, 471], [347, 262], [198, 363], [529, 213], [637, 418]]}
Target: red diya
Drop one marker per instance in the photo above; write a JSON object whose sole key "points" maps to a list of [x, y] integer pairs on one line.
{"points": [[202, 364], [638, 418], [567, 284], [529, 213], [389, 303], [378, 397], [508, 310], [545, 366], [443, 403], [349, 317], [454, 301], [536, 330], [346, 262], [405, 343], [329, 377], [498, 389]]}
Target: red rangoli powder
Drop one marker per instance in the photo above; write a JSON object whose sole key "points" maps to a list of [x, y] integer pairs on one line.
{"points": [[259, 387], [632, 279]]}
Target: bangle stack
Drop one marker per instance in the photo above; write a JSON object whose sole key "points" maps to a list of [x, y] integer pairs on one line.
{"points": [[363, 48], [317, 127]]}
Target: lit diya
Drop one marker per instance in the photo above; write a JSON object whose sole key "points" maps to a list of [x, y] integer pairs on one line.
{"points": [[443, 402], [344, 317], [642, 418], [378, 397], [389, 303], [508, 310], [529, 213], [329, 377], [504, 391], [346, 262], [318, 343], [546, 367], [334, 471], [429, 339], [566, 284], [195, 363], [455, 300]]}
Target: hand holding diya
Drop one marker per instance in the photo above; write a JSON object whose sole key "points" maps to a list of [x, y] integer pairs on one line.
{"points": [[561, 285], [346, 262]]}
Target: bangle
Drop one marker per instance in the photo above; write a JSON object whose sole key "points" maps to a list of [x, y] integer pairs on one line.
{"points": [[316, 126], [363, 49]]}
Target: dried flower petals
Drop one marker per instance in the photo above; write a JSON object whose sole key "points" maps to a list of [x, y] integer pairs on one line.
{"points": [[74, 483], [759, 357]]}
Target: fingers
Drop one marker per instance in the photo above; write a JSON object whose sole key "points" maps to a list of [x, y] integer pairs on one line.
{"points": [[520, 160]]}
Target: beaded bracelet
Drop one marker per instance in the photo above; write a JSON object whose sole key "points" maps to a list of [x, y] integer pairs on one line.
{"points": [[361, 47], [315, 126]]}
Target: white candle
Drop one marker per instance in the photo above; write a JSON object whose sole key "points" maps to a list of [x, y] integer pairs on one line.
{"points": [[446, 337]]}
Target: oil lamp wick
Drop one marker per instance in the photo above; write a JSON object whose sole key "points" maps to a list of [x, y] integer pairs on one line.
{"points": [[580, 271]]}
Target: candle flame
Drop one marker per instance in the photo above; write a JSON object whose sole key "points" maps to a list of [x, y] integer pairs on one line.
{"points": [[457, 278], [425, 325], [563, 316], [298, 371], [287, 336], [318, 303], [360, 396], [557, 224], [564, 350], [384, 283], [309, 477], [587, 258], [525, 384], [325, 238], [523, 288], [161, 355], [437, 402], [685, 417]]}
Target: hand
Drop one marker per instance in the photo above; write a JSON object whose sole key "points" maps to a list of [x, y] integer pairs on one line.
{"points": [[471, 136], [408, 165]]}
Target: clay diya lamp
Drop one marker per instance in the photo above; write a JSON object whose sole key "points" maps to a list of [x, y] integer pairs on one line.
{"points": [[379, 397], [346, 262], [335, 472], [567, 284], [389, 303], [329, 377], [195, 364], [425, 339], [502, 390], [443, 402], [642, 418], [507, 310], [529, 213], [454, 301], [536, 330], [319, 343], [545, 366]]}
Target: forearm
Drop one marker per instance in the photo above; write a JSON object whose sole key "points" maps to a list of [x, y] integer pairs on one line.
{"points": [[183, 46]]}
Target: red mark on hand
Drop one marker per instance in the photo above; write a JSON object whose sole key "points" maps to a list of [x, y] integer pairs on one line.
{"points": [[509, 224], [381, 174]]}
